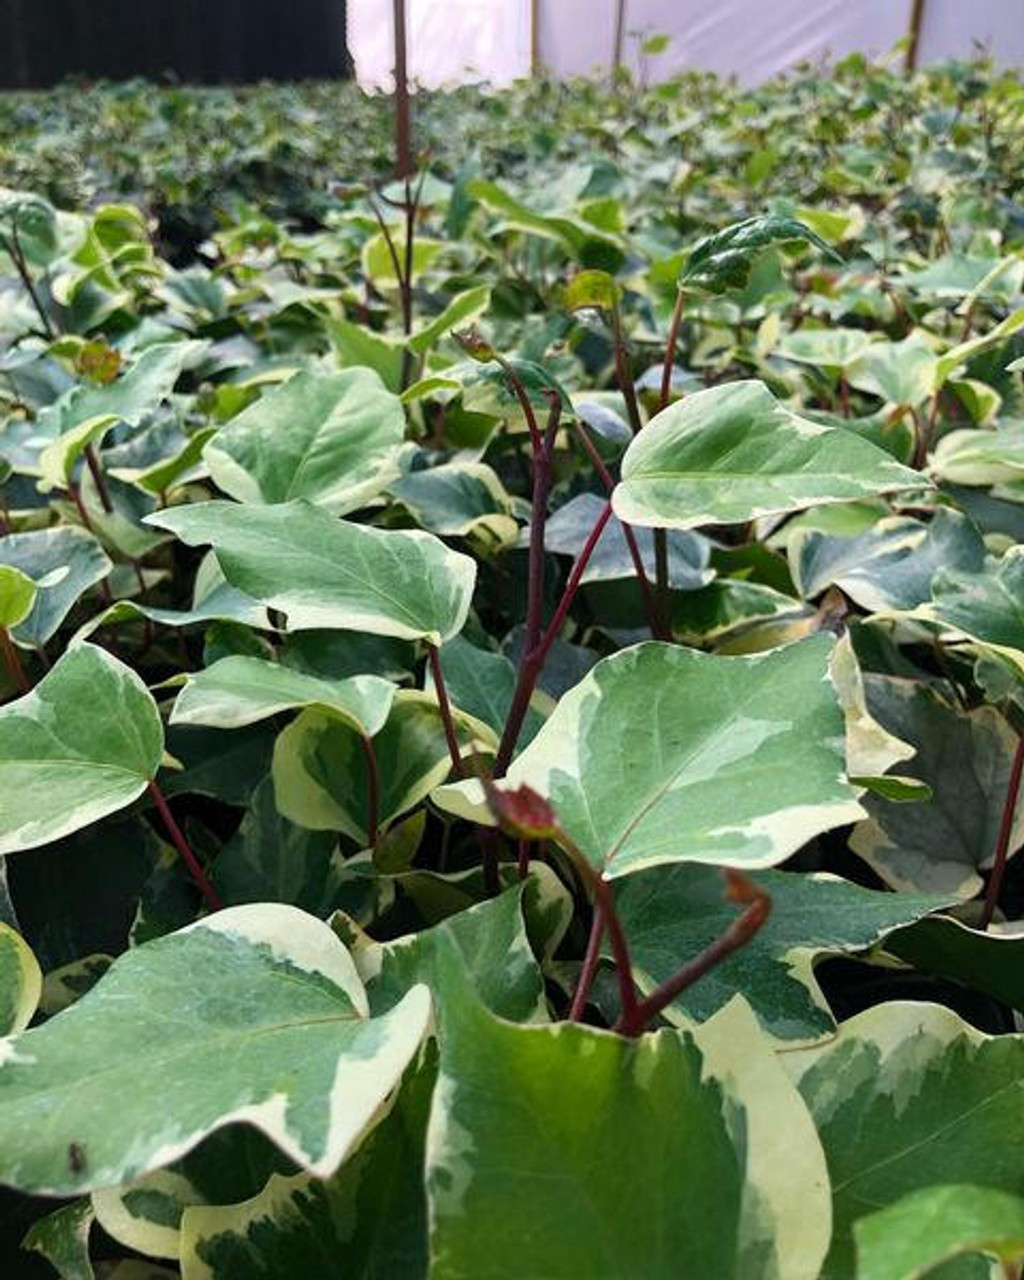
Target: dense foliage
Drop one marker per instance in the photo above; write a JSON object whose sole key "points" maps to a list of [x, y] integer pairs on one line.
{"points": [[512, 681]]}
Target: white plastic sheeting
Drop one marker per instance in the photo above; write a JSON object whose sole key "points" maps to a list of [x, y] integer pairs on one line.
{"points": [[466, 40]]}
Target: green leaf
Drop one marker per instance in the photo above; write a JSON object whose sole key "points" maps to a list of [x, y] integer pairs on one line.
{"points": [[62, 1237], [987, 606], [240, 690], [568, 1124], [85, 413], [17, 596], [321, 775], [568, 528], [63, 563], [939, 845], [493, 950], [728, 454], [458, 499], [722, 261], [270, 859], [670, 914], [902, 373], [965, 351], [356, 345], [280, 1039], [910, 1238], [905, 1097], [729, 606], [84, 743], [587, 289], [662, 754], [980, 457], [21, 982], [983, 960], [825, 348], [323, 572], [482, 684], [369, 1218], [956, 275], [332, 438], [892, 565], [464, 308]]}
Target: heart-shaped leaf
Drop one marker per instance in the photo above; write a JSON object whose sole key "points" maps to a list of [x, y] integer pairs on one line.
{"points": [[21, 982], [662, 754], [84, 743], [271, 1028], [330, 438], [728, 454], [323, 572]]}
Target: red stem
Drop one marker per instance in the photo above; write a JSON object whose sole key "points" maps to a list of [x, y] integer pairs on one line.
{"points": [[736, 935], [995, 882], [372, 791], [589, 970], [532, 663], [515, 382], [538, 519], [446, 711], [670, 351], [213, 900], [659, 631], [524, 859], [13, 662], [99, 480]]}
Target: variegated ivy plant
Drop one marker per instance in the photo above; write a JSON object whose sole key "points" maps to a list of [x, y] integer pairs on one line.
{"points": [[510, 716]]}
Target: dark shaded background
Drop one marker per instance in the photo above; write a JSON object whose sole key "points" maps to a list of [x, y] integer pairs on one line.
{"points": [[199, 41]]}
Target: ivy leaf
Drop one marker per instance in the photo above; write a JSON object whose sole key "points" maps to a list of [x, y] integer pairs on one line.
{"points": [[987, 606], [17, 596], [662, 754], [21, 982], [240, 690], [270, 1028], [321, 772], [323, 572], [722, 261], [905, 1096], [731, 453], [63, 563], [670, 914], [991, 960], [371, 1213], [464, 308], [62, 1237], [940, 844], [519, 1110], [85, 413], [333, 439], [892, 565], [931, 1226], [84, 743]]}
